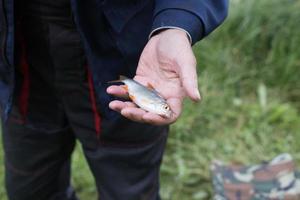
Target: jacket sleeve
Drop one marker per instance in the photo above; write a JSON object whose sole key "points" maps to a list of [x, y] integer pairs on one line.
{"points": [[197, 17]]}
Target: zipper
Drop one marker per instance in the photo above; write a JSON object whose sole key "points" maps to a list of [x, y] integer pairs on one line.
{"points": [[4, 30]]}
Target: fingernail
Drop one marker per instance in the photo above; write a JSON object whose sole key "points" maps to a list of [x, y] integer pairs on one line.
{"points": [[198, 94], [112, 106], [108, 90]]}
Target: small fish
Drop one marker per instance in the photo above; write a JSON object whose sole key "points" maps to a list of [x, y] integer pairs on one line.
{"points": [[146, 98]]}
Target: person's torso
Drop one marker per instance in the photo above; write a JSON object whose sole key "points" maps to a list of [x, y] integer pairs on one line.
{"points": [[47, 8], [52, 42], [108, 30]]}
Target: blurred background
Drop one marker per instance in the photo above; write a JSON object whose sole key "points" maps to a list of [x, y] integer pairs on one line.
{"points": [[249, 77]]}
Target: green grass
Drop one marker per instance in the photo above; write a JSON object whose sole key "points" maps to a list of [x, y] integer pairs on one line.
{"points": [[249, 73]]}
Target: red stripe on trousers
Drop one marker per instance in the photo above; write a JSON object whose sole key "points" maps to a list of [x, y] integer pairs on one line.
{"points": [[24, 95], [97, 119]]}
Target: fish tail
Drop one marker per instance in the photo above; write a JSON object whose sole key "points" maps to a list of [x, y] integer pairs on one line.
{"points": [[121, 79]]}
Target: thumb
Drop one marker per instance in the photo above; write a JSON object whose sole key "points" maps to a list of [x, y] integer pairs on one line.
{"points": [[188, 75]]}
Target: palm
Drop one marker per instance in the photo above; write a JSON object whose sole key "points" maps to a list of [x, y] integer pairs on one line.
{"points": [[158, 70], [168, 64]]}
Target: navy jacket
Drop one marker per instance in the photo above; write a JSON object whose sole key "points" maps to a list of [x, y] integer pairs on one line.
{"points": [[113, 45]]}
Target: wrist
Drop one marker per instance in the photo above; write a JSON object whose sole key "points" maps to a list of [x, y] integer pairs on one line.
{"points": [[174, 31], [162, 29]]}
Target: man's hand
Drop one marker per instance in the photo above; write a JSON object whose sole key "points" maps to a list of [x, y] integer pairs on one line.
{"points": [[167, 63]]}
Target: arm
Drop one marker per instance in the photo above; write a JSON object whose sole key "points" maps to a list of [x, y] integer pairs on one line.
{"points": [[197, 17], [167, 61]]}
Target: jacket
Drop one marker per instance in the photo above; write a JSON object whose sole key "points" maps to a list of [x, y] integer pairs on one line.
{"points": [[112, 46]]}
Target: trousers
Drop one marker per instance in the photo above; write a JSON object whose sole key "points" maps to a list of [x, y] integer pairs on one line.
{"points": [[54, 106]]}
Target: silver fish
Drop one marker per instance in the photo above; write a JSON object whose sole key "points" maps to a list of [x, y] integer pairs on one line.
{"points": [[146, 98]]}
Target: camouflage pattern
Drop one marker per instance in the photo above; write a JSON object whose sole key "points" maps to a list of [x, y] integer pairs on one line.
{"points": [[273, 180]]}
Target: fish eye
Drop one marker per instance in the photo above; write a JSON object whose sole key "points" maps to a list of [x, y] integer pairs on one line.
{"points": [[166, 107]]}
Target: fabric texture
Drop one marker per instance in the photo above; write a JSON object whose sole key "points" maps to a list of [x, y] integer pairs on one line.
{"points": [[58, 106], [272, 180], [108, 29]]}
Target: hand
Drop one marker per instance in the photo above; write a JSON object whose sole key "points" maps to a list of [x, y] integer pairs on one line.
{"points": [[167, 63]]}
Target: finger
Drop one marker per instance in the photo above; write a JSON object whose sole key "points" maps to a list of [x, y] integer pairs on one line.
{"points": [[155, 119], [117, 90], [188, 74], [134, 114], [176, 107], [130, 111], [119, 105], [130, 104]]}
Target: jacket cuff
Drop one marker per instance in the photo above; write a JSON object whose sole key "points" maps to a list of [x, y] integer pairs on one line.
{"points": [[180, 19], [170, 27]]}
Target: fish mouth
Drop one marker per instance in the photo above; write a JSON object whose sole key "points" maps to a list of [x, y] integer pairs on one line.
{"points": [[167, 115]]}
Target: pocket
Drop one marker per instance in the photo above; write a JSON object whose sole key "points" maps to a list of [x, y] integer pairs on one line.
{"points": [[119, 12]]}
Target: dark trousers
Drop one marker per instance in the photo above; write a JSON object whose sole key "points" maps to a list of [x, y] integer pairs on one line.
{"points": [[55, 105]]}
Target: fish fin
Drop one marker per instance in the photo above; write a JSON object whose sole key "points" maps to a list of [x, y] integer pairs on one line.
{"points": [[159, 94], [132, 97], [121, 79], [150, 86], [125, 87]]}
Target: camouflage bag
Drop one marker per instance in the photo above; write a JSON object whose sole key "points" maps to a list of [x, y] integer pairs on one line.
{"points": [[273, 180]]}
